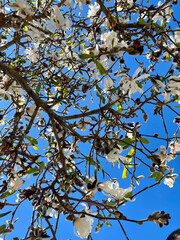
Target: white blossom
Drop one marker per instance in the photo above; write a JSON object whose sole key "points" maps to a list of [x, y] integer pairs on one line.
{"points": [[22, 7], [172, 88], [177, 35], [112, 189], [31, 54], [11, 87], [159, 16], [68, 3], [175, 147], [15, 183], [83, 224], [128, 4], [113, 155], [4, 94], [52, 212], [82, 125], [34, 31], [110, 39], [129, 84], [169, 181], [30, 110], [89, 189], [162, 155], [42, 4], [57, 20], [108, 82], [93, 10]]}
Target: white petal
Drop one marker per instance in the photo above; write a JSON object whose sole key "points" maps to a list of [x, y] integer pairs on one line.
{"points": [[136, 72], [142, 77]]}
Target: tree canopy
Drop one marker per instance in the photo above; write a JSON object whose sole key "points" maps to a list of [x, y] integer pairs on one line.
{"points": [[83, 85]]}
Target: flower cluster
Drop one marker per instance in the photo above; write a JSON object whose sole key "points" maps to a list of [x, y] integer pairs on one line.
{"points": [[112, 190]]}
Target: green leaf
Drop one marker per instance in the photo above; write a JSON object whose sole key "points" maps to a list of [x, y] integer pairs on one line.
{"points": [[158, 26], [35, 174], [99, 215], [50, 226], [32, 140], [177, 106], [4, 214], [141, 21], [126, 141], [38, 88], [16, 238], [42, 165], [6, 194], [157, 175], [111, 203], [128, 195], [91, 161], [108, 224], [178, 44], [100, 68], [144, 140], [98, 88], [85, 56], [32, 170], [6, 98], [103, 100], [2, 227]]}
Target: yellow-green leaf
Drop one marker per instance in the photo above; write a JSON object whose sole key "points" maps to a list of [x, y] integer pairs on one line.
{"points": [[131, 152], [119, 108], [144, 140], [100, 68], [26, 28], [85, 56], [124, 174], [35, 147], [163, 24], [168, 57], [6, 194], [42, 165], [141, 21], [38, 88], [32, 170], [32, 140]]}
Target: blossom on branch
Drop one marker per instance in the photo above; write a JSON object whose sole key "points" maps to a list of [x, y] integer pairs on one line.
{"points": [[175, 147], [93, 10], [129, 84], [31, 54], [15, 183], [57, 20], [112, 190], [83, 223], [22, 7]]}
